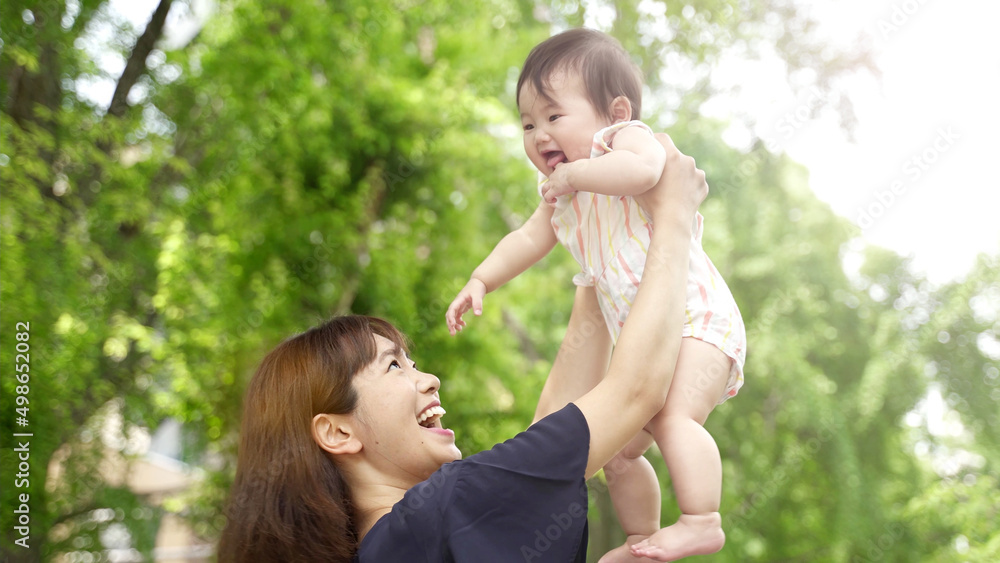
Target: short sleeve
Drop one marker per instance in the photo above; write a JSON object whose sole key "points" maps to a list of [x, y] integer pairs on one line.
{"points": [[523, 500], [556, 447], [604, 138], [527, 497]]}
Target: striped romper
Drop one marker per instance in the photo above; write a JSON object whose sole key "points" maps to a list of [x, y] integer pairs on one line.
{"points": [[608, 236]]}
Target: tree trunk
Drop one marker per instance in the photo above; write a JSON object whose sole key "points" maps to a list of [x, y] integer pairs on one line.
{"points": [[29, 88]]}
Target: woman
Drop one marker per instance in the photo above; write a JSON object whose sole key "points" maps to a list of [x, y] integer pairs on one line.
{"points": [[343, 453]]}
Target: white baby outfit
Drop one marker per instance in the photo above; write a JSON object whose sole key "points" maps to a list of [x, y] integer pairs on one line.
{"points": [[609, 236]]}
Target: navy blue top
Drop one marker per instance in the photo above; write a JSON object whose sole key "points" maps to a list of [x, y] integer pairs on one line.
{"points": [[524, 500]]}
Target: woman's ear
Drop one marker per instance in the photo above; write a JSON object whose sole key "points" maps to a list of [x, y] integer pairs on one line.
{"points": [[335, 433], [621, 109]]}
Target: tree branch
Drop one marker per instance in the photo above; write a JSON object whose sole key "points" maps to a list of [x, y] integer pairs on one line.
{"points": [[373, 210], [136, 64], [525, 343]]}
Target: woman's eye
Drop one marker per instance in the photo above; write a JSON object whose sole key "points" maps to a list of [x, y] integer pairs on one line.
{"points": [[529, 127], [395, 363]]}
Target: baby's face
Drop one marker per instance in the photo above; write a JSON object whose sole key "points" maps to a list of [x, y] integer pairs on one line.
{"points": [[561, 129]]}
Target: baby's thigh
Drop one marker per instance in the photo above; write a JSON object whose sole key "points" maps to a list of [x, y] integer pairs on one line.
{"points": [[700, 379]]}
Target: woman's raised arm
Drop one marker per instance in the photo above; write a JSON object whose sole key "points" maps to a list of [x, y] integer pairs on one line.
{"points": [[642, 365]]}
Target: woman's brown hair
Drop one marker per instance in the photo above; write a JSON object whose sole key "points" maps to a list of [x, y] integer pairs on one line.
{"points": [[289, 501], [604, 66]]}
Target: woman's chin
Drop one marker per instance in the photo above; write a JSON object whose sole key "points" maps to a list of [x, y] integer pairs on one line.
{"points": [[454, 454]]}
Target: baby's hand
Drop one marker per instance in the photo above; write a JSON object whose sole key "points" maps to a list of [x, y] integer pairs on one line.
{"points": [[558, 183], [471, 297]]}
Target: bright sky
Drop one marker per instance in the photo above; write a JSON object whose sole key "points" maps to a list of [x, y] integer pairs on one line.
{"points": [[918, 178], [918, 175]]}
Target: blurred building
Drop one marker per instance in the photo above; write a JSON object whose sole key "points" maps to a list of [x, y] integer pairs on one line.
{"points": [[148, 465]]}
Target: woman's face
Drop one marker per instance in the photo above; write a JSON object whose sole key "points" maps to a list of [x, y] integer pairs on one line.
{"points": [[399, 413]]}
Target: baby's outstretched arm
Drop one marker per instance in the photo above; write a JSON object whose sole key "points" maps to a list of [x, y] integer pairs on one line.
{"points": [[634, 166], [515, 253]]}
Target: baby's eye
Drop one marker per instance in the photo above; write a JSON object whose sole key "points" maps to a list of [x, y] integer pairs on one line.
{"points": [[554, 117]]}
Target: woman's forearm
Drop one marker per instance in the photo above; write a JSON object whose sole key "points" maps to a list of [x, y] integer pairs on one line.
{"points": [[643, 362], [650, 340]]}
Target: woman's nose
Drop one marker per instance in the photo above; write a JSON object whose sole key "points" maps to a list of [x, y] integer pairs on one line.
{"points": [[428, 383]]}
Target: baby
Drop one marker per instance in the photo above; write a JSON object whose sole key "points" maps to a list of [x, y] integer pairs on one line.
{"points": [[579, 96]]}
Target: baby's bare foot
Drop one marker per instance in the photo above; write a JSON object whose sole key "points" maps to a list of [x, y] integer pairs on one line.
{"points": [[622, 554], [692, 534]]}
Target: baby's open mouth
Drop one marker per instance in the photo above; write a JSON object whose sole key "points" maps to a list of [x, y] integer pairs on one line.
{"points": [[552, 158]]}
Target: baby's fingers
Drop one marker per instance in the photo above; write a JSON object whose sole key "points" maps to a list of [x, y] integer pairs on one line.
{"points": [[549, 197], [454, 314]]}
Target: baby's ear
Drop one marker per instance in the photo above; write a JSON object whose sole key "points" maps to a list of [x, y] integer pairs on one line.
{"points": [[621, 109]]}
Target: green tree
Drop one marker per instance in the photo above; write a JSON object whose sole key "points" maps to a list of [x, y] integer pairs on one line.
{"points": [[958, 329], [301, 159], [74, 256]]}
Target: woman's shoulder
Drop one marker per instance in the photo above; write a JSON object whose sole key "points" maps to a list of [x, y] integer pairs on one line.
{"points": [[557, 446], [414, 530], [493, 501], [525, 499]]}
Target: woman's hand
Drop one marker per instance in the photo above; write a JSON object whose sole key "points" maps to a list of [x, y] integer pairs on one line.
{"points": [[682, 186]]}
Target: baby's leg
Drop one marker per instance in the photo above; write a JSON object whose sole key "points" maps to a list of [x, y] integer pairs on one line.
{"points": [[691, 454], [583, 356], [635, 494]]}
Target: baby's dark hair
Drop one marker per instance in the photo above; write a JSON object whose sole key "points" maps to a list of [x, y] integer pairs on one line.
{"points": [[601, 61]]}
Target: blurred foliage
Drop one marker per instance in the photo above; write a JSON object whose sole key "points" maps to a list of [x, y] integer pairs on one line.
{"points": [[300, 159]]}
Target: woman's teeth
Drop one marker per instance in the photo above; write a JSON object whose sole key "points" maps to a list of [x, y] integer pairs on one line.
{"points": [[429, 414]]}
